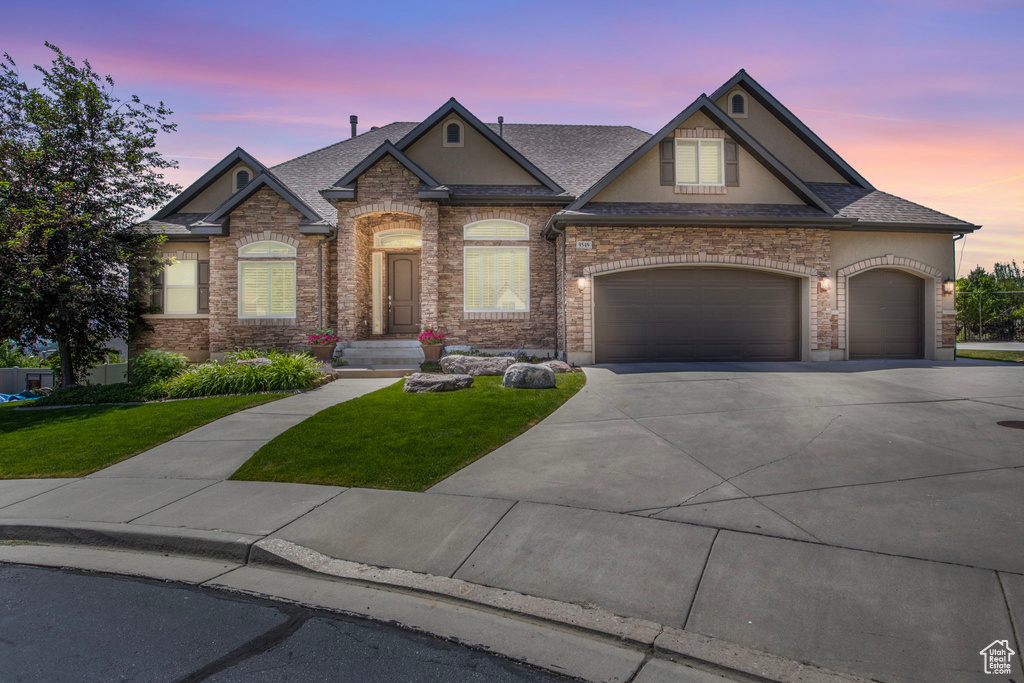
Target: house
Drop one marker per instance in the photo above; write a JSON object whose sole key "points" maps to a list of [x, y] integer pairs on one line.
{"points": [[732, 233]]}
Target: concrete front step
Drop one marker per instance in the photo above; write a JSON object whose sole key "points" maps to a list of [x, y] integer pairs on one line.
{"points": [[382, 344], [399, 352], [356, 371]]}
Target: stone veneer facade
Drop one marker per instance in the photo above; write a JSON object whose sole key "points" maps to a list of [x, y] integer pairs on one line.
{"points": [[560, 315]]}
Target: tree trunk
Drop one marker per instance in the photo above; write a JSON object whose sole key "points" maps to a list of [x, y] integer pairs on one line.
{"points": [[67, 369]]}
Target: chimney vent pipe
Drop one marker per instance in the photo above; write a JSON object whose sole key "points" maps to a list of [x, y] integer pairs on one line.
{"points": [[353, 120], [501, 126]]}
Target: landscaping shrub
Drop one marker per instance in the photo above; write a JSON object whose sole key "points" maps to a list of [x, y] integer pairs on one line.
{"points": [[430, 366], [471, 352], [154, 366], [249, 354], [92, 394], [284, 372]]}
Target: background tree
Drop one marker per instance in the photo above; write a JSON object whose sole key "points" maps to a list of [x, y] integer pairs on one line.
{"points": [[77, 168], [1001, 313]]}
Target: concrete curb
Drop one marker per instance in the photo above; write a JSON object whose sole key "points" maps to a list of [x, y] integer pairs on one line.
{"points": [[636, 635], [676, 644], [214, 545]]}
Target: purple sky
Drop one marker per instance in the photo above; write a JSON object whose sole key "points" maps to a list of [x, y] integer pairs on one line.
{"points": [[924, 98]]}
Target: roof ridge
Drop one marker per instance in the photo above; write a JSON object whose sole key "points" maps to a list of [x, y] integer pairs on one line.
{"points": [[341, 142]]}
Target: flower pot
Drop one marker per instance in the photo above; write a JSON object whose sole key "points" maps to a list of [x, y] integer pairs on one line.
{"points": [[432, 352], [323, 352]]}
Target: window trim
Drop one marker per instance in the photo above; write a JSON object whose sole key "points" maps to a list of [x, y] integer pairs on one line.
{"points": [[746, 104], [292, 252], [295, 291], [194, 287], [524, 238], [444, 134], [721, 154], [467, 309]]}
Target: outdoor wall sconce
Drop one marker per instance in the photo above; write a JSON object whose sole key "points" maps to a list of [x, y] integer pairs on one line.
{"points": [[824, 283], [948, 286], [581, 283]]}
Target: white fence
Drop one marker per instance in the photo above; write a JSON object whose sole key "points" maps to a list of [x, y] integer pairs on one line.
{"points": [[16, 380]]}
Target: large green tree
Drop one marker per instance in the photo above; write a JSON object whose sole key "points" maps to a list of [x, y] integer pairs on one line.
{"points": [[998, 294], [78, 166]]}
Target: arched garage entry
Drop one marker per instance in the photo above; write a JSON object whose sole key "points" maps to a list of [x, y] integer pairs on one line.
{"points": [[887, 315], [691, 313]]}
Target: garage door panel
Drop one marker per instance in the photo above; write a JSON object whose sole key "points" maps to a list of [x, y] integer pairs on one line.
{"points": [[886, 315], [693, 314]]}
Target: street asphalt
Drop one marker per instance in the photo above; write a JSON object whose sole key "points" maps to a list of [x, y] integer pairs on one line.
{"points": [[58, 626]]}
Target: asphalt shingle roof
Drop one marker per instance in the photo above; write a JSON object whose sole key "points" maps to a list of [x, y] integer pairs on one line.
{"points": [[697, 209], [175, 224], [851, 201]]}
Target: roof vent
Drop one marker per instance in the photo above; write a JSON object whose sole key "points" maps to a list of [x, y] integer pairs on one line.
{"points": [[353, 120], [373, 128], [501, 125]]}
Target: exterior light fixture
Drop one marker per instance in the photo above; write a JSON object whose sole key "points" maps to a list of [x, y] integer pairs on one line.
{"points": [[581, 283], [948, 286], [824, 283]]}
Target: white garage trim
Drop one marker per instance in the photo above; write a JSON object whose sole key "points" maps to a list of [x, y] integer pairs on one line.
{"points": [[933, 314], [808, 292]]}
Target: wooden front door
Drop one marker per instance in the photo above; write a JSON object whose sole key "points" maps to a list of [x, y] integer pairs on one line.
{"points": [[403, 293]]}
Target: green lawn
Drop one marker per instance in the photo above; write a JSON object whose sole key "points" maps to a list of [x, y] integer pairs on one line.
{"points": [[72, 442], [393, 440], [1008, 356]]}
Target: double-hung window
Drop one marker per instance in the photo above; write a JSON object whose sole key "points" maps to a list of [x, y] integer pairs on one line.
{"points": [[496, 277], [700, 161], [266, 286], [180, 285]]}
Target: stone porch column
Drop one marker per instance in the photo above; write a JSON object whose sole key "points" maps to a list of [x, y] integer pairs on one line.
{"points": [[347, 291], [428, 265]]}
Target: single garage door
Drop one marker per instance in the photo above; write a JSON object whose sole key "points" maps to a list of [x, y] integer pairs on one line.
{"points": [[696, 314], [886, 315]]}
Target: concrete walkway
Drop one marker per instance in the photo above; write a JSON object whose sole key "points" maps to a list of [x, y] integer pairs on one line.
{"points": [[863, 517]]}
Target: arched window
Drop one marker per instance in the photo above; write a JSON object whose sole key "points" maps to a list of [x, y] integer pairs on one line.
{"points": [[497, 230], [398, 237], [453, 134], [266, 248], [738, 105], [242, 179]]}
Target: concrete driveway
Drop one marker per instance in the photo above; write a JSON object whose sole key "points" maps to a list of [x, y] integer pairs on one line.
{"points": [[810, 463]]}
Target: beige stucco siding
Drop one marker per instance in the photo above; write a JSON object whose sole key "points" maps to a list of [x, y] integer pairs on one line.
{"points": [[641, 182], [782, 143], [476, 162], [175, 249], [215, 195], [933, 250]]}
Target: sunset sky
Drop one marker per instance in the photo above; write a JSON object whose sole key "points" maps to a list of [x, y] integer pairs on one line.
{"points": [[924, 98]]}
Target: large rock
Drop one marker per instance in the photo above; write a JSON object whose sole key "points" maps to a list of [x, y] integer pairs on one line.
{"points": [[422, 382], [528, 376], [477, 366], [557, 365]]}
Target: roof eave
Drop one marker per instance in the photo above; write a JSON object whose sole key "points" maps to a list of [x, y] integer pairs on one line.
{"points": [[268, 179], [519, 200], [798, 127], [559, 220], [376, 155], [208, 178], [862, 225]]}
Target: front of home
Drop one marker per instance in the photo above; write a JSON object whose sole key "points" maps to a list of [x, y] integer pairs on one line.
{"points": [[733, 233]]}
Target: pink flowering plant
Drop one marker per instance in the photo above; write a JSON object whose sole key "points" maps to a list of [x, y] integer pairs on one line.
{"points": [[430, 337], [323, 337]]}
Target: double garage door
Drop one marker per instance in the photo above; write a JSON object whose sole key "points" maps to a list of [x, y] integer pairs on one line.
{"points": [[728, 314], [695, 314]]}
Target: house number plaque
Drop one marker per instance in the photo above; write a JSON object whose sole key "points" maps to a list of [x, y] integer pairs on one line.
{"points": [[584, 244]]}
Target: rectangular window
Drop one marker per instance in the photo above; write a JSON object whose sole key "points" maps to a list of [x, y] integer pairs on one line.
{"points": [[180, 284], [700, 162], [266, 289], [497, 279]]}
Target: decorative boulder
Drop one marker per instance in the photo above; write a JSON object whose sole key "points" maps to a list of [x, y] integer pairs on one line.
{"points": [[422, 382], [254, 361], [477, 366], [557, 365], [528, 376]]}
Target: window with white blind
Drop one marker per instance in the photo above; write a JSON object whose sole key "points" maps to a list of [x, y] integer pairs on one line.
{"points": [[496, 230], [700, 161], [180, 286], [497, 279], [266, 248], [266, 289]]}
